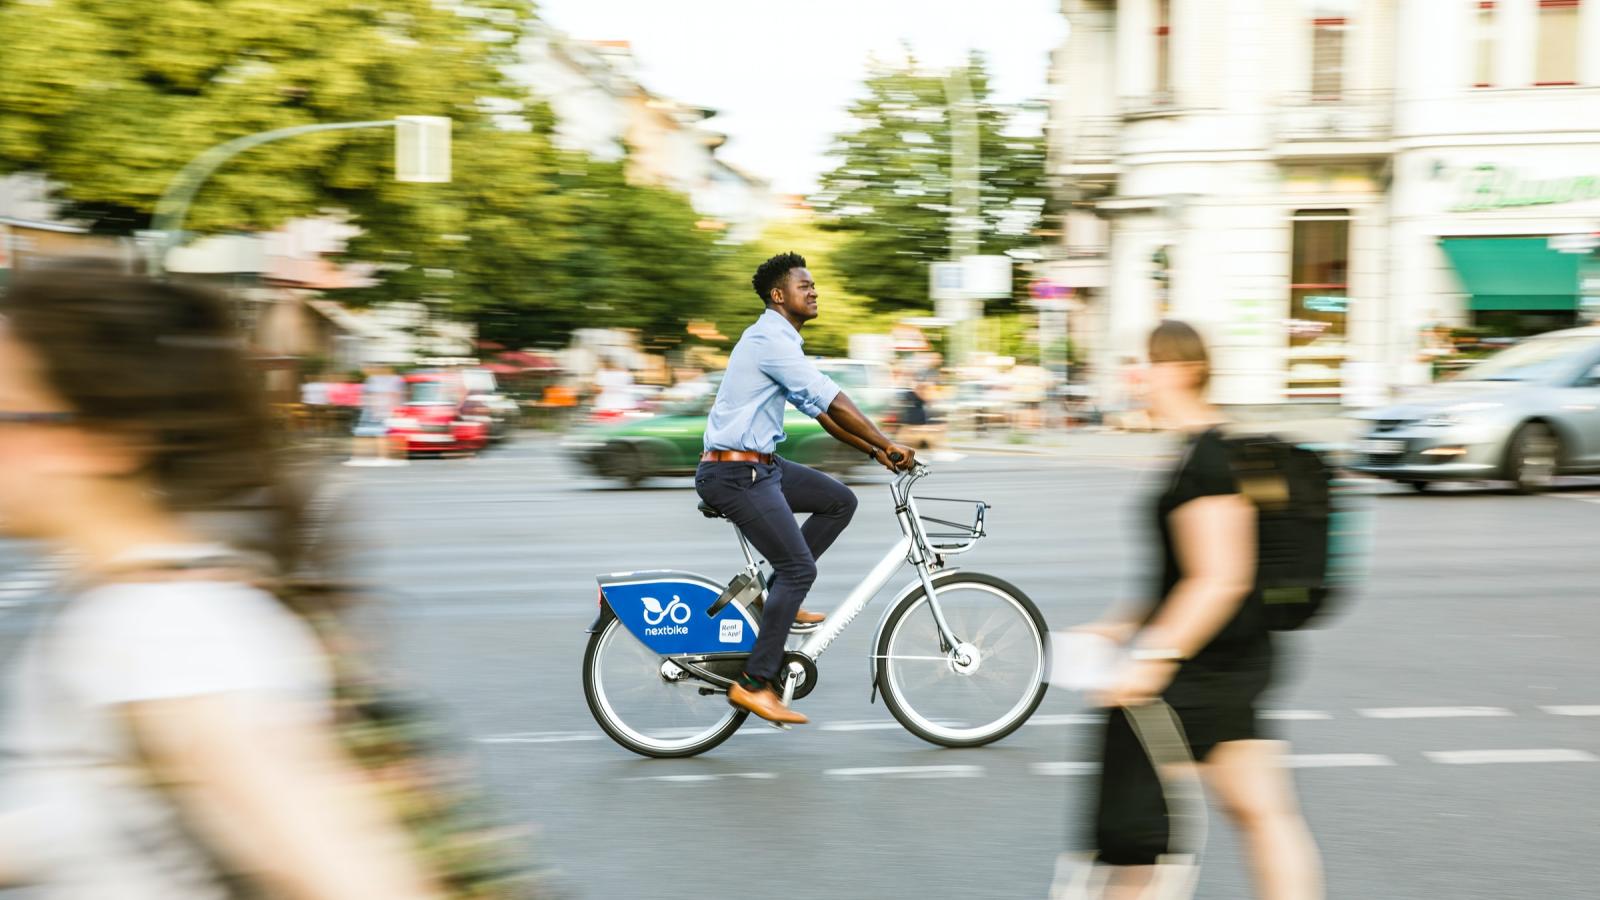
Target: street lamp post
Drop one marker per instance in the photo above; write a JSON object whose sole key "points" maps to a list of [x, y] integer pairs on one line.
{"points": [[422, 153]]}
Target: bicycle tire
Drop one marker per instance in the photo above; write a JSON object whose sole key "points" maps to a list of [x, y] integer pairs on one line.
{"points": [[625, 735], [921, 725]]}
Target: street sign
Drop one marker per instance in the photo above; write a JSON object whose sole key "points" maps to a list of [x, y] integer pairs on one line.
{"points": [[946, 281], [987, 277], [422, 149]]}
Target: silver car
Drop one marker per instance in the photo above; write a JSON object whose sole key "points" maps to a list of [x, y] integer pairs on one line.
{"points": [[1524, 415]]}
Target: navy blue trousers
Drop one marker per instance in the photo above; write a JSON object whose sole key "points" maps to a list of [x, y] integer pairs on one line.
{"points": [[762, 502]]}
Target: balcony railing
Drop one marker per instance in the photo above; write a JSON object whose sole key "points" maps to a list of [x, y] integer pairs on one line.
{"points": [[1353, 116]]}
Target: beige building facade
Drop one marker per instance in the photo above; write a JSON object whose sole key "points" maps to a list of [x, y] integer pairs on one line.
{"points": [[1319, 184]]}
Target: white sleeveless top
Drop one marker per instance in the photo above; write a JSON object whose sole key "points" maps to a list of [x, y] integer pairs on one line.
{"points": [[77, 816]]}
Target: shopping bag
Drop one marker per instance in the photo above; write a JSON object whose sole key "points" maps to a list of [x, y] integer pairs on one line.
{"points": [[1085, 662]]}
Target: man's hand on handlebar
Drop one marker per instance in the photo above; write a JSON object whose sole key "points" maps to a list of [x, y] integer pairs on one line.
{"points": [[896, 457]]}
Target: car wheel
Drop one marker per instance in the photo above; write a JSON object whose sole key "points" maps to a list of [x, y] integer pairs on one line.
{"points": [[1421, 487], [1533, 458], [624, 461]]}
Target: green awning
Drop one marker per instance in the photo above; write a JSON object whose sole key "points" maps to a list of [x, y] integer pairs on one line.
{"points": [[1514, 273]]}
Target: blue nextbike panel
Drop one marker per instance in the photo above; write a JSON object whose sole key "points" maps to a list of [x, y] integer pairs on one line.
{"points": [[666, 611]]}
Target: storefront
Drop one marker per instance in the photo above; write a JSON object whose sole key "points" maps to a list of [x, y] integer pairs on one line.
{"points": [[1489, 250]]}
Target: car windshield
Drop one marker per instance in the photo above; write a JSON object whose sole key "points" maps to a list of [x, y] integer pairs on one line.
{"points": [[426, 393], [1533, 360]]}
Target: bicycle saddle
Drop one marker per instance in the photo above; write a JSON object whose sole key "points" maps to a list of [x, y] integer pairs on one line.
{"points": [[710, 512]]}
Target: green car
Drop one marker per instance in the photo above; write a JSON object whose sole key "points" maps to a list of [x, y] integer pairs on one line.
{"points": [[670, 441]]}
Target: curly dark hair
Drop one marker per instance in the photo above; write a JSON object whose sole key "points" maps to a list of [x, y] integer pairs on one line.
{"points": [[772, 272]]}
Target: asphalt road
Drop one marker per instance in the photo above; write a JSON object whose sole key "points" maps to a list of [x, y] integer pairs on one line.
{"points": [[1446, 730]]}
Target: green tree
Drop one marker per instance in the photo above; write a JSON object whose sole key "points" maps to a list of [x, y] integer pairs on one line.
{"points": [[110, 98], [531, 243], [890, 192], [842, 312]]}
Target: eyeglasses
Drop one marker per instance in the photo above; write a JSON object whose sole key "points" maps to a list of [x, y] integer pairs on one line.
{"points": [[35, 418]]}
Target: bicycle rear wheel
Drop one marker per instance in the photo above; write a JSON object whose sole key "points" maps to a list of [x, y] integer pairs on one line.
{"points": [[647, 705], [979, 691]]}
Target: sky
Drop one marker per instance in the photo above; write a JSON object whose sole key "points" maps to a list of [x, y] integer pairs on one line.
{"points": [[782, 73]]}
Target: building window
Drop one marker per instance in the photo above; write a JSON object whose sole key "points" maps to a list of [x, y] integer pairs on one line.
{"points": [[1327, 57], [1557, 55], [1483, 53], [1319, 297], [1163, 91]]}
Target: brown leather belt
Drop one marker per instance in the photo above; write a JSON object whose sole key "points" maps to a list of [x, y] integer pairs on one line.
{"points": [[736, 456]]}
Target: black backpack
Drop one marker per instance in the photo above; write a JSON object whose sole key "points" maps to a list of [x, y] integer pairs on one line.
{"points": [[1309, 530]]}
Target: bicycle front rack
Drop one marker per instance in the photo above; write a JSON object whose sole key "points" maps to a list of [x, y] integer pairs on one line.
{"points": [[948, 536]]}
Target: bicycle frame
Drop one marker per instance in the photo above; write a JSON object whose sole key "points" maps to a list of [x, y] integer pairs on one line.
{"points": [[913, 548]]}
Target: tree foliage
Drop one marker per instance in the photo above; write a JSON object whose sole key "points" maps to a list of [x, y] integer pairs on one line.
{"points": [[891, 190], [109, 99], [532, 243], [841, 311]]}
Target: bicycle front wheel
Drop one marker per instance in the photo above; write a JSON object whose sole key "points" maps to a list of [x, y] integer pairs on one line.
{"points": [[978, 691], [648, 705]]}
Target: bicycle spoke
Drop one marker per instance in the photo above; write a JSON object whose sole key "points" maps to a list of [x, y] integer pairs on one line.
{"points": [[965, 700]]}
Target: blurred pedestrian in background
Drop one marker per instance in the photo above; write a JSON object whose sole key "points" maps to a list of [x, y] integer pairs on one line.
{"points": [[921, 421], [169, 730], [1127, 408], [614, 390], [383, 392], [1204, 648]]}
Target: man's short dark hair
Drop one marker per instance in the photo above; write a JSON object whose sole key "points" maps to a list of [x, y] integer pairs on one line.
{"points": [[772, 272]]}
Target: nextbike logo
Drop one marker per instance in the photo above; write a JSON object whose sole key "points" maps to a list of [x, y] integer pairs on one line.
{"points": [[677, 612]]}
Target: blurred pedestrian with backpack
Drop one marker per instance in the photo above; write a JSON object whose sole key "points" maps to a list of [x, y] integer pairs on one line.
{"points": [[174, 729], [1204, 649]]}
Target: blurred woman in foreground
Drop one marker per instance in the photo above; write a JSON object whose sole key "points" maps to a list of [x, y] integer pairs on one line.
{"points": [[168, 727], [1203, 647]]}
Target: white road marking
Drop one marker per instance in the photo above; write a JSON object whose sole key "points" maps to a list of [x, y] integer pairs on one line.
{"points": [[534, 737], [1296, 715], [1435, 712], [706, 776], [1481, 757], [1572, 710], [1066, 768], [859, 726], [1067, 719], [908, 772], [1335, 760]]}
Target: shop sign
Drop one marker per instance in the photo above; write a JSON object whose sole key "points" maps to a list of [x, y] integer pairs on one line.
{"points": [[1325, 304], [1489, 186]]}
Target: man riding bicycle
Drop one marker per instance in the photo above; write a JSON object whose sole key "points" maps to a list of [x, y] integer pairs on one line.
{"points": [[760, 492]]}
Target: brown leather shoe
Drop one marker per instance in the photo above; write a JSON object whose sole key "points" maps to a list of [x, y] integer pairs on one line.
{"points": [[808, 618], [766, 704]]}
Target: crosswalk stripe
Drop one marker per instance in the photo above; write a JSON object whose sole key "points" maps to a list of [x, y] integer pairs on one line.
{"points": [[1435, 712], [1481, 757], [1296, 715], [706, 776], [907, 772], [1572, 710], [1335, 760], [1066, 768]]}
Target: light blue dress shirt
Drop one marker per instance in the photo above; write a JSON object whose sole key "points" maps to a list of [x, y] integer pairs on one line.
{"points": [[766, 368]]}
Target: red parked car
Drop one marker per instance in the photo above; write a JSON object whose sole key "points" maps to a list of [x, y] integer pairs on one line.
{"points": [[437, 416]]}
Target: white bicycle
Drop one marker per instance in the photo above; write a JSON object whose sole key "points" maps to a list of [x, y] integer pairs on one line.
{"points": [[959, 656]]}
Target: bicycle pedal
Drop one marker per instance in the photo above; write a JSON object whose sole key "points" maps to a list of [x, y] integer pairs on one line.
{"points": [[781, 726], [797, 628]]}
